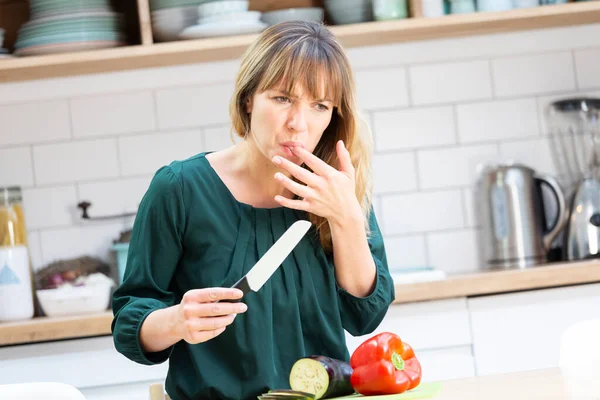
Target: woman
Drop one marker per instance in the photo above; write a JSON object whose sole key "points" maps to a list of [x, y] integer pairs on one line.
{"points": [[205, 221]]}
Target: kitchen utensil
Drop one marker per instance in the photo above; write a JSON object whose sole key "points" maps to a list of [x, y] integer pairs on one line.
{"points": [[272, 259], [512, 215], [425, 390], [574, 124]]}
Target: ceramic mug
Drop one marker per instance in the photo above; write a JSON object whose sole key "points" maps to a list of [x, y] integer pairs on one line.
{"points": [[389, 9]]}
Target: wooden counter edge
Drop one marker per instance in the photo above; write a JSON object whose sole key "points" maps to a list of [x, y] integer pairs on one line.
{"points": [[479, 283], [495, 282], [42, 329]]}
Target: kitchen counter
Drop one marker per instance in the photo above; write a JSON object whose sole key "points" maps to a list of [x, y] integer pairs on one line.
{"points": [[480, 283], [546, 384]]}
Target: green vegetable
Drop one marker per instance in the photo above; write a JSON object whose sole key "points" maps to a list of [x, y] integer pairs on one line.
{"points": [[322, 376]]}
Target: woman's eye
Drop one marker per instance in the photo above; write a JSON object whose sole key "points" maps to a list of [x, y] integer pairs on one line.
{"points": [[322, 107], [282, 99]]}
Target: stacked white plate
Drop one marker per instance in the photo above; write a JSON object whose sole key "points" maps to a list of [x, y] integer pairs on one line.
{"points": [[224, 18], [60, 26], [170, 17]]}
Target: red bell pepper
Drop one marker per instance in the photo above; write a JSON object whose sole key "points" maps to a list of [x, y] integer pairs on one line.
{"points": [[383, 365]]}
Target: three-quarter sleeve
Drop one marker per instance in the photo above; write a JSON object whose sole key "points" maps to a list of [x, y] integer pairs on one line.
{"points": [[154, 252], [362, 315]]}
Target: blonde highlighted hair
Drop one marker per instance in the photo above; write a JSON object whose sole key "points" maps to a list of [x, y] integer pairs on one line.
{"points": [[305, 53]]}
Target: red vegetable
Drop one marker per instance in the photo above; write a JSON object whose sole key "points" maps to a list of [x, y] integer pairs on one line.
{"points": [[384, 365]]}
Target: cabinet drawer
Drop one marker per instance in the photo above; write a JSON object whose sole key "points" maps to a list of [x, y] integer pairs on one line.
{"points": [[424, 325], [522, 331], [81, 363]]}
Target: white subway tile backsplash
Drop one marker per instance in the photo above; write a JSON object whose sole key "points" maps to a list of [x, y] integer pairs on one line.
{"points": [[34, 122], [93, 239], [113, 114], [219, 138], [470, 47], [454, 252], [183, 107], [536, 154], [381, 88], [49, 207], [450, 82], [119, 81], [497, 120], [144, 154], [422, 212], [586, 63], [406, 251], [453, 167], [114, 197], [394, 173], [469, 205], [413, 128], [533, 74], [35, 249], [16, 167], [75, 161]]}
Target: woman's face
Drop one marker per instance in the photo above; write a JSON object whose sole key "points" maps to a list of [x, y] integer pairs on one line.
{"points": [[280, 120]]}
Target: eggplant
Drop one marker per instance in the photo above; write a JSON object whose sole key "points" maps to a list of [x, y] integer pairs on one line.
{"points": [[291, 393], [322, 376]]}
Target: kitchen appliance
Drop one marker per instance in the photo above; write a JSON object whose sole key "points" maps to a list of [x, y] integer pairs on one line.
{"points": [[575, 128], [272, 259], [512, 211]]}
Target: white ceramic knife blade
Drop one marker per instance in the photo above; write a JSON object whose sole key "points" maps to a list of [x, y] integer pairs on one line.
{"points": [[272, 259]]}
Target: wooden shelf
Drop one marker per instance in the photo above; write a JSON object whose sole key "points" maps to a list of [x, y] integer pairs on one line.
{"points": [[232, 47]]}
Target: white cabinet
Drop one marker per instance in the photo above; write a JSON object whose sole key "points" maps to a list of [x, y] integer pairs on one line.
{"points": [[439, 332], [92, 365], [450, 363], [522, 331]]}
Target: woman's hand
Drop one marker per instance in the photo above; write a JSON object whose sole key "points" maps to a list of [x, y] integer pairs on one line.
{"points": [[329, 193], [199, 318]]}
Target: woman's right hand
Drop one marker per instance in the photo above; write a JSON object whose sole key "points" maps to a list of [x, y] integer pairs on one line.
{"points": [[200, 318]]}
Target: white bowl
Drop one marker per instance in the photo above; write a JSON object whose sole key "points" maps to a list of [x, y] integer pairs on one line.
{"points": [[293, 14], [245, 16], [168, 23], [76, 300], [222, 7]]}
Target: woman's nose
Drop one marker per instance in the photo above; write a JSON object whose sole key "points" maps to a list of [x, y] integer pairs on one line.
{"points": [[297, 120]]}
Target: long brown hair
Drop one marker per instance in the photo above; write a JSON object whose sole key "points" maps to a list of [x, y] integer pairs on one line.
{"points": [[300, 52]]}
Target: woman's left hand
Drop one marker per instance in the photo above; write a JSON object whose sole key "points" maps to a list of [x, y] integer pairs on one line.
{"points": [[329, 193]]}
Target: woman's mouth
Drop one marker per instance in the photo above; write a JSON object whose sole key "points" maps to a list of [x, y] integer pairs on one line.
{"points": [[287, 148], [288, 151]]}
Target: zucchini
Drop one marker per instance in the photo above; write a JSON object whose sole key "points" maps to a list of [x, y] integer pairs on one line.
{"points": [[322, 376]]}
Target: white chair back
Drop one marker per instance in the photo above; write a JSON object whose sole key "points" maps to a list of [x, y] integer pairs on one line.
{"points": [[580, 360], [40, 391]]}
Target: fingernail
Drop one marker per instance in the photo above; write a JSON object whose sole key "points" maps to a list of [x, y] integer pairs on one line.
{"points": [[243, 308], [276, 160], [279, 176]]}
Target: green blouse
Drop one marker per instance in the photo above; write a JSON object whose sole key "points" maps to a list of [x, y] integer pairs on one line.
{"points": [[190, 232]]}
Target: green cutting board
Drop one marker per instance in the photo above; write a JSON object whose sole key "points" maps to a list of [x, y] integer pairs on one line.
{"points": [[426, 390]]}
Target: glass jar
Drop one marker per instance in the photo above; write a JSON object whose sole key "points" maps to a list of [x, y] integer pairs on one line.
{"points": [[16, 293]]}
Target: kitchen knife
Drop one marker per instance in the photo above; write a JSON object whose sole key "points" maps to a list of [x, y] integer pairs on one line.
{"points": [[272, 259]]}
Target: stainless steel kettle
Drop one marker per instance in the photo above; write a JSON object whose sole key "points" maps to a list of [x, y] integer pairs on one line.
{"points": [[511, 213]]}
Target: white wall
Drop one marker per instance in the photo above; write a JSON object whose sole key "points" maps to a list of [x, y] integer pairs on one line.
{"points": [[437, 108]]}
